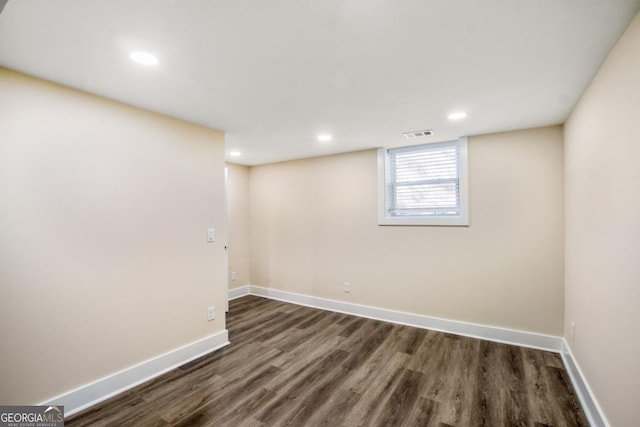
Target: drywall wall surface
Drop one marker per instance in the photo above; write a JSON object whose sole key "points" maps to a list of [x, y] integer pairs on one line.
{"points": [[104, 260], [313, 226], [602, 176], [238, 224]]}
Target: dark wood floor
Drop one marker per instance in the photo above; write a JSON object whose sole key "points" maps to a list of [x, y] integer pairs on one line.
{"points": [[298, 366]]}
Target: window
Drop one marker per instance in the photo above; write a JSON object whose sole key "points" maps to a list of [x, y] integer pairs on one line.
{"points": [[423, 185]]}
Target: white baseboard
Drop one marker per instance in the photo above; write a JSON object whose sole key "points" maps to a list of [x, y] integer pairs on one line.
{"points": [[590, 405], [490, 333], [90, 394], [238, 292]]}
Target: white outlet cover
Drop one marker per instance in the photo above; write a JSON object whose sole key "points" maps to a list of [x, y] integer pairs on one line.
{"points": [[211, 313]]}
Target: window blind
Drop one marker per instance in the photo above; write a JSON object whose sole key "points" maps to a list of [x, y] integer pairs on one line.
{"points": [[424, 181]]}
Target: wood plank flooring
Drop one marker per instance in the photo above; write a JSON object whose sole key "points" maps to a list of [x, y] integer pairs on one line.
{"points": [[296, 366]]}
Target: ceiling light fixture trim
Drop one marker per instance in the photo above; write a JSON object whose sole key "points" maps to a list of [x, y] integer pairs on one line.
{"points": [[457, 115], [144, 58]]}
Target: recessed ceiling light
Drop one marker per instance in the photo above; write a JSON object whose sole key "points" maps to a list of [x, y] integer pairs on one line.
{"points": [[458, 115], [144, 58], [325, 137], [235, 153]]}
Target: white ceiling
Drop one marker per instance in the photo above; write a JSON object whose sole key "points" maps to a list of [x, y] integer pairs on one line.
{"points": [[274, 74]]}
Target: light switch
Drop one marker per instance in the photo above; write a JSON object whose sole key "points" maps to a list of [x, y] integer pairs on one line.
{"points": [[211, 235]]}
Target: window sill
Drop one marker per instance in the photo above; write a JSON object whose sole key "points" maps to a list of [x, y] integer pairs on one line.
{"points": [[437, 222]]}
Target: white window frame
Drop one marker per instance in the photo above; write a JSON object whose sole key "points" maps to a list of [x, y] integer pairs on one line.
{"points": [[460, 220]]}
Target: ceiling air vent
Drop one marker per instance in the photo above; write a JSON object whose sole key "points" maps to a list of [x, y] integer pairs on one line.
{"points": [[418, 133]]}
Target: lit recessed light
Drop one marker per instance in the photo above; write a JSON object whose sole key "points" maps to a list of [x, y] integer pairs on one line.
{"points": [[235, 153], [325, 137], [458, 115], [144, 58]]}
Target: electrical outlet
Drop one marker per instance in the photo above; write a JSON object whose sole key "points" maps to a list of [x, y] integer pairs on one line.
{"points": [[211, 234], [211, 313], [573, 331], [234, 275], [346, 287]]}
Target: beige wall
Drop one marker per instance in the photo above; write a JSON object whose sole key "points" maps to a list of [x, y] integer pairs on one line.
{"points": [[602, 170], [313, 226], [238, 223], [103, 255]]}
